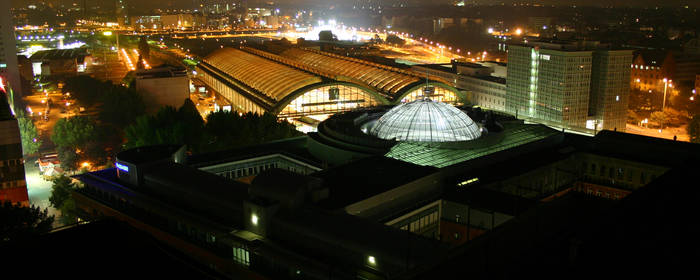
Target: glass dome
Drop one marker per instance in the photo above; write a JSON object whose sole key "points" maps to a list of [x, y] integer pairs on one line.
{"points": [[426, 121]]}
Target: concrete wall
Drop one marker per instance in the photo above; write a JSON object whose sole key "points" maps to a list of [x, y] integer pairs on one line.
{"points": [[158, 92]]}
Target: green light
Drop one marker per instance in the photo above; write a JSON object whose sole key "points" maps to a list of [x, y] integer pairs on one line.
{"points": [[254, 219]]}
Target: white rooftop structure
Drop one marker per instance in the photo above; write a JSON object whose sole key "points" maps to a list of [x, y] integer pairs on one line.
{"points": [[425, 120]]}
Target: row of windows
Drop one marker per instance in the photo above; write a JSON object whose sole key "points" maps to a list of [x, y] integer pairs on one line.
{"points": [[605, 194], [420, 224], [254, 170], [243, 172], [241, 256], [13, 184], [618, 173], [11, 162]]}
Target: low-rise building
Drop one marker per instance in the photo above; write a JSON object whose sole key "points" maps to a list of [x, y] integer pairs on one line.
{"points": [[183, 21], [163, 86], [60, 63]]}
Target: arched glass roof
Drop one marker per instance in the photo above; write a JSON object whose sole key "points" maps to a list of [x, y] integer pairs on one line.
{"points": [[385, 79], [425, 120], [272, 79]]}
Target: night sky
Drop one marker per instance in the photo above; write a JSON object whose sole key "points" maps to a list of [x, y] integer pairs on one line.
{"points": [[151, 4]]}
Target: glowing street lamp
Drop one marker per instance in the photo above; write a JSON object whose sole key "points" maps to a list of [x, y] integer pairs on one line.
{"points": [[666, 85]]}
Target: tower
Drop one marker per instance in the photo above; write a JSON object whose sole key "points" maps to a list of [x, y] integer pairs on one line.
{"points": [[9, 69]]}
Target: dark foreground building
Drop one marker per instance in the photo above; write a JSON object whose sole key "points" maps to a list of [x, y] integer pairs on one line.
{"points": [[13, 185], [510, 200]]}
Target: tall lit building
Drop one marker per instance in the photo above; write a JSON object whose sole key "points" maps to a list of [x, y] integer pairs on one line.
{"points": [[610, 88], [549, 85], [571, 85], [13, 185], [121, 12], [8, 51]]}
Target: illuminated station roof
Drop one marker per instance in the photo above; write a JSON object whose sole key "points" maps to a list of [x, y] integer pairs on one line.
{"points": [[387, 80], [272, 80], [425, 120], [273, 77]]}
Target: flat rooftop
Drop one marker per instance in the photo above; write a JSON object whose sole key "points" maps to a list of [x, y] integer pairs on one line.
{"points": [[515, 135], [293, 147], [365, 178]]}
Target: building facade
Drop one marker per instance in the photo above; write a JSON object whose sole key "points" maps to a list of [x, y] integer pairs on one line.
{"points": [[552, 86], [570, 85], [13, 185], [9, 69], [165, 86], [609, 89]]}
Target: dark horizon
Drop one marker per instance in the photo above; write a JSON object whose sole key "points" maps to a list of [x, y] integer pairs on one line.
{"points": [[189, 4]]}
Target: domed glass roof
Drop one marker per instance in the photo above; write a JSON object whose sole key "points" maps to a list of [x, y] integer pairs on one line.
{"points": [[424, 120]]}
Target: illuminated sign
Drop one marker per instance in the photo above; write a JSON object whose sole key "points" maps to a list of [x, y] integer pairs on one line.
{"points": [[122, 167], [545, 56]]}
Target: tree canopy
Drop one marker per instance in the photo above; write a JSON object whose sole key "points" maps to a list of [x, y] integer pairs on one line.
{"points": [[81, 139], [144, 49], [223, 130], [62, 199], [395, 40], [73, 132], [121, 106], [229, 129], [86, 90], [168, 126], [22, 222], [30, 136]]}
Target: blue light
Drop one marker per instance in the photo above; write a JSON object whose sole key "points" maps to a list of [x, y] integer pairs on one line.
{"points": [[122, 167]]}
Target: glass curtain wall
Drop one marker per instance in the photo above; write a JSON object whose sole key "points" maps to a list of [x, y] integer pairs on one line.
{"points": [[328, 99]]}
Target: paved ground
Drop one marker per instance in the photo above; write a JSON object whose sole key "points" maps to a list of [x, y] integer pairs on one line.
{"points": [[667, 133], [39, 190]]}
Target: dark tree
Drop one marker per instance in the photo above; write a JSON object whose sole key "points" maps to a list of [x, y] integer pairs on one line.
{"points": [[395, 40], [73, 132], [327, 35], [144, 49], [86, 90], [121, 106], [68, 157], [62, 198], [227, 130], [22, 222], [694, 129], [168, 126], [60, 191], [30, 136]]}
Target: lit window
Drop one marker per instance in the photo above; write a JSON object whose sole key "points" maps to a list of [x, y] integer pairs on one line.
{"points": [[254, 219]]}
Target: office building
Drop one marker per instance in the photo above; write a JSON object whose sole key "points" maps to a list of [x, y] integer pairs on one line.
{"points": [[60, 63], [9, 69], [410, 210], [13, 185], [122, 12], [570, 85], [610, 89]]}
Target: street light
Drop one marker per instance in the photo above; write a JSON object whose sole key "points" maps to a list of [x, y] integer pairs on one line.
{"points": [[666, 83]]}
